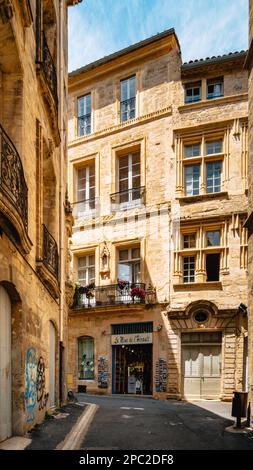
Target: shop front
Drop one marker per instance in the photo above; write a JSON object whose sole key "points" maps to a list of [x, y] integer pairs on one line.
{"points": [[132, 358]]}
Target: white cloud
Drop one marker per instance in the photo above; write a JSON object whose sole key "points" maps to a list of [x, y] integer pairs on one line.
{"points": [[204, 27]]}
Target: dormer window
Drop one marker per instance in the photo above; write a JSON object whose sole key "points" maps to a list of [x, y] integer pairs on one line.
{"points": [[192, 92], [214, 88]]}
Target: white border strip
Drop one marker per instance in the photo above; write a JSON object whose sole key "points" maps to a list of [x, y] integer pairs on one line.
{"points": [[77, 434]]}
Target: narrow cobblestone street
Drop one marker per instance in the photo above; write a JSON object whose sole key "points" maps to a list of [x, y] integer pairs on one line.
{"points": [[145, 423]]}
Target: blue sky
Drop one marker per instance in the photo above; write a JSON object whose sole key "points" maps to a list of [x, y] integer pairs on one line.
{"points": [[204, 27]]}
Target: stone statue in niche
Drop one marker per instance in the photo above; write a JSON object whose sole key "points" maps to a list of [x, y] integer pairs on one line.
{"points": [[105, 261]]}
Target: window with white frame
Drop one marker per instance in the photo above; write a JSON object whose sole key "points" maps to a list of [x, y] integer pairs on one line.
{"points": [[202, 166], [129, 179], [85, 198], [213, 177], [192, 179], [86, 269], [84, 115], [188, 269], [214, 87], [192, 92], [129, 266], [128, 98]]}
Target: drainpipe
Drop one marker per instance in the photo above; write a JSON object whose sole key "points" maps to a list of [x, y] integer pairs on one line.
{"points": [[62, 192]]}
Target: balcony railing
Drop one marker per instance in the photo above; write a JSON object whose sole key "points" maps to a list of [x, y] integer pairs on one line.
{"points": [[86, 208], [128, 199], [114, 294], [50, 253], [49, 69], [12, 180]]}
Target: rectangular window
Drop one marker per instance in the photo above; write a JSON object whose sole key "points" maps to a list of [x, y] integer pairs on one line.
{"points": [[129, 178], [214, 88], [212, 267], [84, 115], [190, 240], [192, 177], [213, 177], [86, 189], [86, 270], [213, 238], [192, 150], [214, 146], [86, 358], [129, 268], [192, 92], [188, 269], [127, 98]]}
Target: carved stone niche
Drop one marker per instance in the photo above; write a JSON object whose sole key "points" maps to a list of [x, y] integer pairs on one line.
{"points": [[105, 261]]}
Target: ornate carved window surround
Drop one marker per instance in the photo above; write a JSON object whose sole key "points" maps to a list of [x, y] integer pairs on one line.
{"points": [[200, 251], [226, 130]]}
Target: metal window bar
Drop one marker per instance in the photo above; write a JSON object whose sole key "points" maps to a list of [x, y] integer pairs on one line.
{"points": [[127, 109], [134, 197], [86, 208]]}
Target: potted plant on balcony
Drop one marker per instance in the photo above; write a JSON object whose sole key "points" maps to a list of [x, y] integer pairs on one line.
{"points": [[122, 284], [80, 290], [137, 292]]}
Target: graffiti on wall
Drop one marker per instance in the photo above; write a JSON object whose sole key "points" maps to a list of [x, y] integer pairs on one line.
{"points": [[31, 383], [161, 375], [35, 391], [42, 396], [103, 372]]}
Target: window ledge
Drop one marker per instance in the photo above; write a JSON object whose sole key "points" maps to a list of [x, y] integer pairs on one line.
{"points": [[212, 285], [121, 126], [213, 102], [203, 197]]}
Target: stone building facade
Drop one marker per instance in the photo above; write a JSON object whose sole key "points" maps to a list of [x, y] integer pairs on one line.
{"points": [[158, 180], [35, 220], [249, 224]]}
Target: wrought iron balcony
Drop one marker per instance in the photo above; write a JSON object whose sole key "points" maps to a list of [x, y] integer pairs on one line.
{"points": [[12, 180], [49, 69], [128, 199], [127, 109], [50, 253], [114, 294], [86, 208]]}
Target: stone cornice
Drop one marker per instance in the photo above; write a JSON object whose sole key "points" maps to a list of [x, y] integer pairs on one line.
{"points": [[122, 126], [212, 103]]}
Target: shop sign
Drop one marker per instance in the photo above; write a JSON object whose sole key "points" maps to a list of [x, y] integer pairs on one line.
{"points": [[136, 338]]}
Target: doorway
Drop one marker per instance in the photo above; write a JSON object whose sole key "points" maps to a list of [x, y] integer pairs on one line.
{"points": [[201, 365], [132, 366], [52, 335], [5, 366]]}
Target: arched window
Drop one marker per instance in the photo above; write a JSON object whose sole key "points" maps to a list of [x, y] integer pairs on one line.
{"points": [[86, 358]]}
